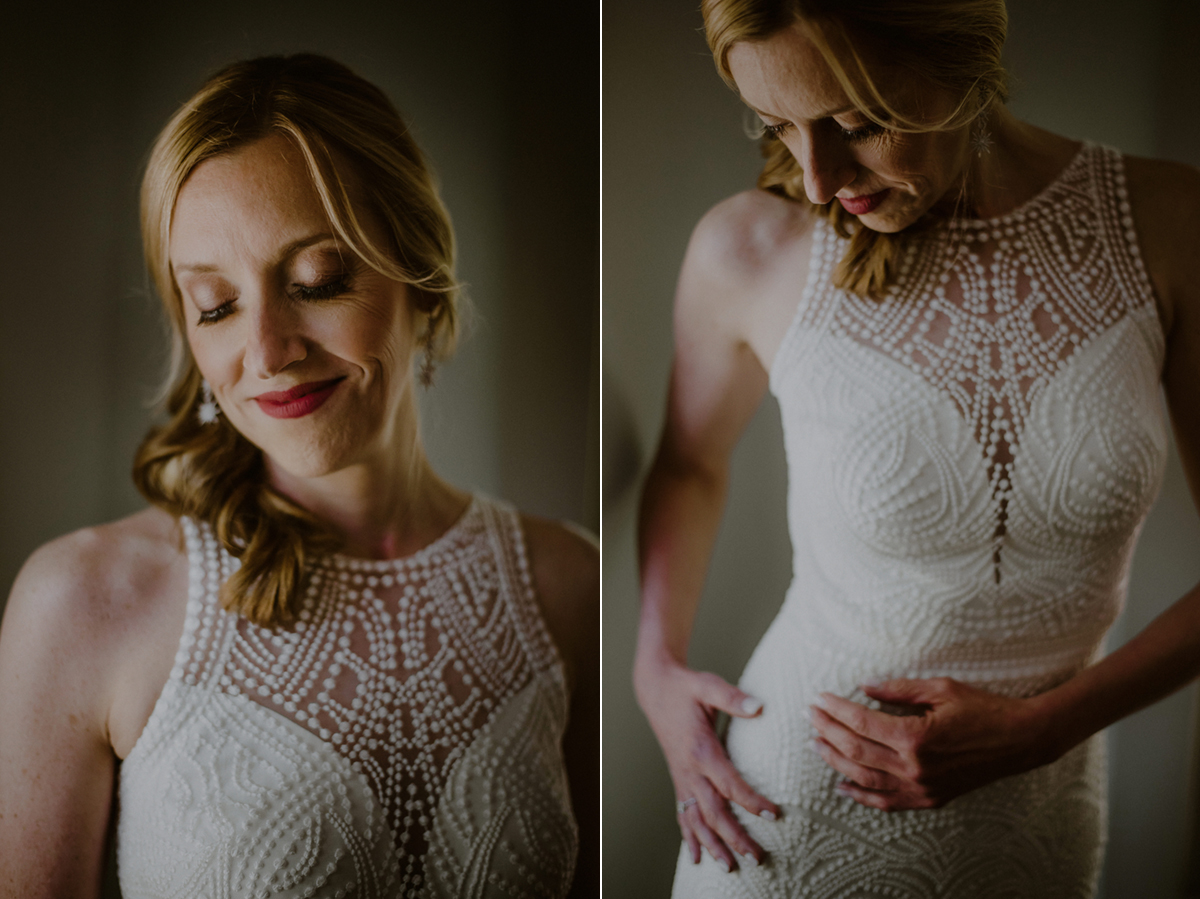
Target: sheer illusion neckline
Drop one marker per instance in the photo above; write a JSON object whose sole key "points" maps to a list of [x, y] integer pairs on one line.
{"points": [[444, 541]]}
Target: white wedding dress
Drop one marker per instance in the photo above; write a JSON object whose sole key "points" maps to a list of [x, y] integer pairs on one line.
{"points": [[402, 738], [969, 461]]}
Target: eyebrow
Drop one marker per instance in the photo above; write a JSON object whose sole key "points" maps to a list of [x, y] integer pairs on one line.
{"points": [[288, 251], [825, 115]]}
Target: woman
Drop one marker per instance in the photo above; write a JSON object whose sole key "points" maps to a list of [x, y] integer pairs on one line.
{"points": [[965, 320], [328, 671]]}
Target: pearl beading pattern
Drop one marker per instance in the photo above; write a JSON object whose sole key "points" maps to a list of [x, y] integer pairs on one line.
{"points": [[410, 719], [969, 463]]}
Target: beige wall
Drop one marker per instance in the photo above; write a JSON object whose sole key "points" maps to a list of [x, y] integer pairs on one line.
{"points": [[503, 97], [672, 147]]}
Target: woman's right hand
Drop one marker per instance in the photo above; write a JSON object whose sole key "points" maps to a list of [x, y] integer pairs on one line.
{"points": [[682, 705]]}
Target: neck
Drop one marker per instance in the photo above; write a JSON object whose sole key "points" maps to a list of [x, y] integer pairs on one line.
{"points": [[1018, 162], [389, 503]]}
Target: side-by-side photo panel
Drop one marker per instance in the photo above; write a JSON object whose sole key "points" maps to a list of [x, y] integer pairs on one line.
{"points": [[900, 367], [299, 511]]}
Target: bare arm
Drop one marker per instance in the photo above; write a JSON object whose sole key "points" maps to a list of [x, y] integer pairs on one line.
{"points": [[56, 764], [717, 383], [566, 573]]}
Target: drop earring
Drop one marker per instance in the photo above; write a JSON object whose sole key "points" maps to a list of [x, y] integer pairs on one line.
{"points": [[427, 349], [208, 411], [981, 135]]}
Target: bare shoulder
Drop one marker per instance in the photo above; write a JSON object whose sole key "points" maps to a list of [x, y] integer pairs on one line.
{"points": [[565, 565], [745, 236], [1165, 198], [92, 574], [738, 288], [83, 599]]}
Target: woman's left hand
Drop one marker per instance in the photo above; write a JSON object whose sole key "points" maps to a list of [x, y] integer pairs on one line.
{"points": [[950, 739]]}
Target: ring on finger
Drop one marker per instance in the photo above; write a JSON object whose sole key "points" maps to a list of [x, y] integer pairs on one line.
{"points": [[683, 805]]}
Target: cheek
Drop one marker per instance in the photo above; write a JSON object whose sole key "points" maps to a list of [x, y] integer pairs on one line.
{"points": [[217, 355], [921, 165], [374, 336]]}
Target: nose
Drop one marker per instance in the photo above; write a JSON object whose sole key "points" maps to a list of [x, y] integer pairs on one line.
{"points": [[828, 166], [275, 338]]}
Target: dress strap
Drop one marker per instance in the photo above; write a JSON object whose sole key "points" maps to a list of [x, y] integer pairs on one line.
{"points": [[816, 306], [1111, 197], [206, 629], [516, 585]]}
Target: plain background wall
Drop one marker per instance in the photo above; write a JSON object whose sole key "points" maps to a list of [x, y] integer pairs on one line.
{"points": [[1122, 73], [504, 99]]}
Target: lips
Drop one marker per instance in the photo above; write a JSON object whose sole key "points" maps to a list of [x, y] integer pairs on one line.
{"points": [[299, 400], [864, 204]]}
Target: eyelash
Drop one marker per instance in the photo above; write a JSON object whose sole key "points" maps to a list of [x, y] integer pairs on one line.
{"points": [[853, 136], [326, 291]]}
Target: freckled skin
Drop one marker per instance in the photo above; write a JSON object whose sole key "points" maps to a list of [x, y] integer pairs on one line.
{"points": [[235, 217], [787, 81]]}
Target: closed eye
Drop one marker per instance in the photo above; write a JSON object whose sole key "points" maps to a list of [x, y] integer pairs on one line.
{"points": [[854, 135], [326, 291], [209, 316]]}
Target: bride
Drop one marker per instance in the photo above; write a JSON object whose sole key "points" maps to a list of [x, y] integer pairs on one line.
{"points": [[966, 321], [327, 671]]}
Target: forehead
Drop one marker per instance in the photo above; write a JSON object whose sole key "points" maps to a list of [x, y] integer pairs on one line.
{"points": [[250, 200], [785, 75]]}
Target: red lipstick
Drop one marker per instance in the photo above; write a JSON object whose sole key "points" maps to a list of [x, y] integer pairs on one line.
{"points": [[862, 205], [299, 401]]}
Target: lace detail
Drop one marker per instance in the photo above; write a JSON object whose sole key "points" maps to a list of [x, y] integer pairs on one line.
{"points": [[970, 460], [425, 691], [988, 312]]}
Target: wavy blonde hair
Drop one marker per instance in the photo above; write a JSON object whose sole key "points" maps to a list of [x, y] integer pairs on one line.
{"points": [[954, 45], [347, 131]]}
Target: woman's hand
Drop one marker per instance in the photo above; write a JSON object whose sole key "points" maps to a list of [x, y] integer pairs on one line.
{"points": [[949, 738], [682, 706]]}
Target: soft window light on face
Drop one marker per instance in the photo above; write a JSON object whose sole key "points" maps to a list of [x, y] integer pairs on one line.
{"points": [[276, 305]]}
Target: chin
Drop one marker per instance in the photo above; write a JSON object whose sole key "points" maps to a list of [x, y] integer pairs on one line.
{"points": [[882, 224], [309, 459], [887, 221]]}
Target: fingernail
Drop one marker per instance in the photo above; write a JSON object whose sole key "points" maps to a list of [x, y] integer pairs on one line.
{"points": [[842, 788], [812, 714], [767, 815], [723, 865], [749, 860], [822, 701], [751, 706]]}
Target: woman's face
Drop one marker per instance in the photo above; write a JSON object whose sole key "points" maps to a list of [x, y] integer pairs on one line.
{"points": [[306, 347], [889, 179]]}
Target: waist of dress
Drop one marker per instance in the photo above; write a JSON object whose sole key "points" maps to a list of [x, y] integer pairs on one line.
{"points": [[1005, 662]]}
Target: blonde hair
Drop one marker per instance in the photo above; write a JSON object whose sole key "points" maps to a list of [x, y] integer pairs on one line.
{"points": [[954, 45], [346, 129]]}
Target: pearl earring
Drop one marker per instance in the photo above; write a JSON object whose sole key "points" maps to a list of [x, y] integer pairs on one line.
{"points": [[209, 411]]}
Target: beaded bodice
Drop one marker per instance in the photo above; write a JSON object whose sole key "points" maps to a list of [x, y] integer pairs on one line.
{"points": [[970, 459], [989, 312], [988, 436], [401, 738]]}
